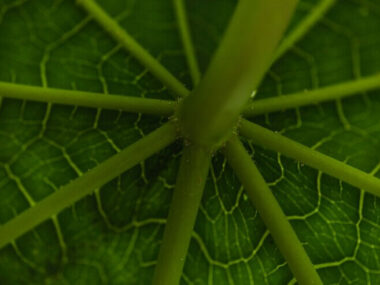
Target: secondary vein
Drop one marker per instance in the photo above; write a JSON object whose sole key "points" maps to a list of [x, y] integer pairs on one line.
{"points": [[87, 183], [329, 93], [276, 142], [130, 44], [88, 99]]}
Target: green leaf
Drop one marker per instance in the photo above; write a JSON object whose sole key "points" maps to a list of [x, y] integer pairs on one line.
{"points": [[113, 236]]}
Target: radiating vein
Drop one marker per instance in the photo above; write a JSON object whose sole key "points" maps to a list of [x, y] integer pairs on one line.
{"points": [[185, 33], [129, 43], [306, 24], [334, 92], [190, 183], [271, 213], [88, 99], [276, 142], [87, 183]]}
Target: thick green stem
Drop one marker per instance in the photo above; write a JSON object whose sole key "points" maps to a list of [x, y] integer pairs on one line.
{"points": [[240, 62], [334, 92], [87, 183], [88, 99], [315, 159], [129, 43], [271, 213], [191, 180], [184, 28]]}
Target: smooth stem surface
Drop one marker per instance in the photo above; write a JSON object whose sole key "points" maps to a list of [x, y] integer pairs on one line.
{"points": [[187, 196], [129, 43], [338, 91], [88, 99], [188, 46], [301, 29], [87, 183], [238, 66], [315, 159], [271, 213]]}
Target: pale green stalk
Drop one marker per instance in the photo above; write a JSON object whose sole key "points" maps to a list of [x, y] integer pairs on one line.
{"points": [[210, 112], [334, 92], [271, 213], [87, 183], [304, 26], [187, 196], [129, 43], [88, 99], [315, 159], [188, 46]]}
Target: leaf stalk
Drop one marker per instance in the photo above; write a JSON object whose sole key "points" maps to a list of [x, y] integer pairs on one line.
{"points": [[240, 62]]}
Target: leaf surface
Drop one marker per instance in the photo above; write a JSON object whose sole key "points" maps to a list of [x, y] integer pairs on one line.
{"points": [[113, 236]]}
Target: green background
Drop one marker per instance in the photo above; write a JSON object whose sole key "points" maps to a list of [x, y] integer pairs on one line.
{"points": [[115, 239]]}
